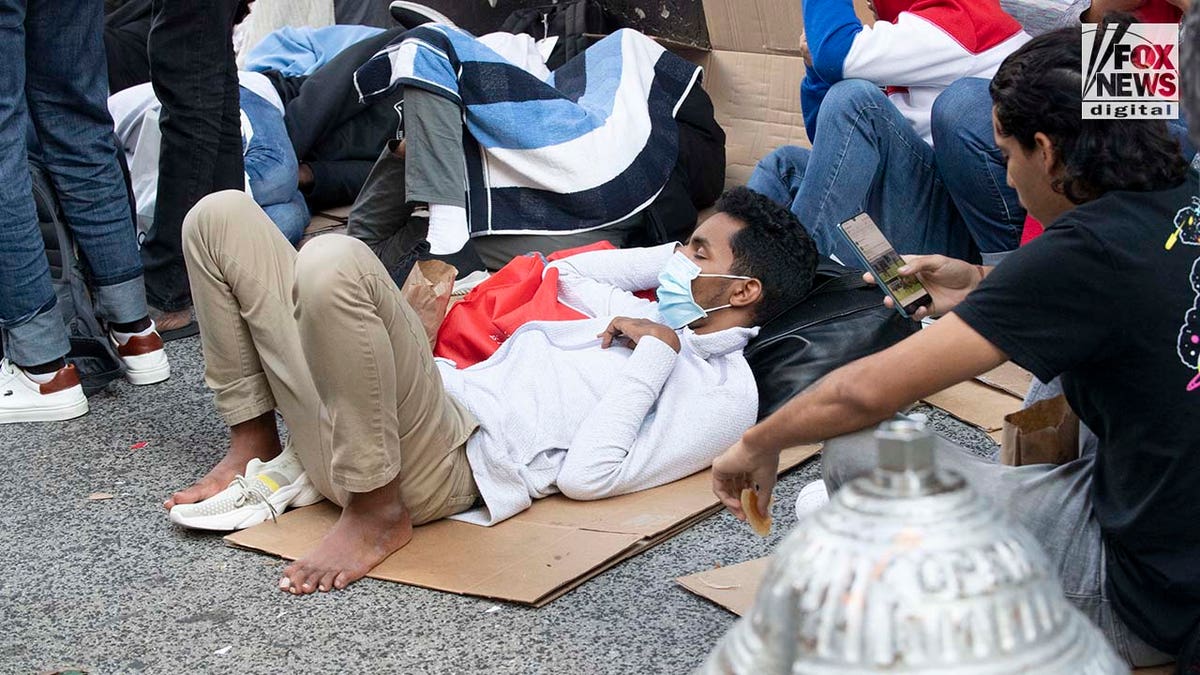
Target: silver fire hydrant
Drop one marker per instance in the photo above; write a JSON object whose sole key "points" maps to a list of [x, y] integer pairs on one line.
{"points": [[909, 570]]}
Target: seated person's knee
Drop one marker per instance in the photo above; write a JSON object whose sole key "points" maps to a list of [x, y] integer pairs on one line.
{"points": [[852, 95], [216, 210], [847, 457], [326, 261], [960, 100]]}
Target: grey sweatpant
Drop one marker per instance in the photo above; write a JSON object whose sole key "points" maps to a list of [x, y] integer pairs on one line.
{"points": [[434, 172], [1052, 502]]}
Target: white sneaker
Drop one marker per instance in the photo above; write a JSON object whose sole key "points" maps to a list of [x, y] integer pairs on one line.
{"points": [[23, 400], [249, 501], [144, 358], [812, 498]]}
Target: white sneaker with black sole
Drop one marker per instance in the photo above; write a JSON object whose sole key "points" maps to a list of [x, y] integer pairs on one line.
{"points": [[24, 400], [266, 490]]}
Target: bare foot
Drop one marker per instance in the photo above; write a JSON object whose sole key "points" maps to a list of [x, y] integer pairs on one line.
{"points": [[372, 526], [172, 320], [254, 438]]}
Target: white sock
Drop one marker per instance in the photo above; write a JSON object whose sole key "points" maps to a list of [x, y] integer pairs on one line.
{"points": [[42, 378], [448, 229], [124, 338]]}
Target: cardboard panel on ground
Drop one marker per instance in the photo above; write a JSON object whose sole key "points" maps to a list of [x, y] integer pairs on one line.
{"points": [[734, 587], [984, 401], [531, 558], [1008, 377]]}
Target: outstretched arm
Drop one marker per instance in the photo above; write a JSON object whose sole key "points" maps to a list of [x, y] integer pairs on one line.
{"points": [[851, 398]]}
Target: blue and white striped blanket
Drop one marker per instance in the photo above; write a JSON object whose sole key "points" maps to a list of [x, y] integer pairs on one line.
{"points": [[589, 146]]}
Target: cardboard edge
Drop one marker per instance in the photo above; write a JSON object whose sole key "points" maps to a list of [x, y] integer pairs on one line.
{"points": [[748, 575], [646, 544], [635, 548]]}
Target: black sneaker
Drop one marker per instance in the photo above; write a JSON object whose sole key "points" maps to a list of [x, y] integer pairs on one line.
{"points": [[412, 14]]}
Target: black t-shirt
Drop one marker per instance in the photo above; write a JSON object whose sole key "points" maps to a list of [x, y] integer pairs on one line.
{"points": [[1109, 298]]}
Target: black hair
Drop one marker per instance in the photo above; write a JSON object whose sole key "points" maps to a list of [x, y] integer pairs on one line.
{"points": [[773, 247], [1038, 88], [1189, 71]]}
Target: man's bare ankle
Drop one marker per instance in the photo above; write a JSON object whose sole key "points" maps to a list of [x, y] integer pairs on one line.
{"points": [[258, 437]]}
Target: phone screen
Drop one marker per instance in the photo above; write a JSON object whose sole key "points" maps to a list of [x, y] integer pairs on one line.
{"points": [[884, 262]]}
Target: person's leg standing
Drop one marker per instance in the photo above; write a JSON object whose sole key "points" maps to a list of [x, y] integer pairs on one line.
{"points": [[869, 158], [33, 324], [67, 91], [194, 75], [37, 384]]}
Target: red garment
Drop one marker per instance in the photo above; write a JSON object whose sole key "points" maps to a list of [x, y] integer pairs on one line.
{"points": [[977, 25], [1158, 11], [1032, 230], [522, 291]]}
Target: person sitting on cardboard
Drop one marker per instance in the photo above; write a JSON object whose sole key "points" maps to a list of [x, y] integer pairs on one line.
{"points": [[641, 395], [874, 151], [1108, 298]]}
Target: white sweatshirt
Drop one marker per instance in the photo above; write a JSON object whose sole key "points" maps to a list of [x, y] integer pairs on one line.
{"points": [[558, 413]]}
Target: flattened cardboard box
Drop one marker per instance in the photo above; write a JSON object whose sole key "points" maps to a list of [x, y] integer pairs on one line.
{"points": [[735, 587], [753, 76], [986, 400], [532, 558], [732, 587]]}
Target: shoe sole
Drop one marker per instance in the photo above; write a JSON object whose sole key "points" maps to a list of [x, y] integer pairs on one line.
{"points": [[185, 331], [56, 414], [402, 9], [250, 515], [139, 378]]}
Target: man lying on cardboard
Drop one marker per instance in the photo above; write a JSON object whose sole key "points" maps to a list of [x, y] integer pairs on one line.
{"points": [[641, 395], [1108, 298]]}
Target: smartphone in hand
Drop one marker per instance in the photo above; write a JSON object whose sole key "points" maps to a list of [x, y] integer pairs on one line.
{"points": [[874, 251]]}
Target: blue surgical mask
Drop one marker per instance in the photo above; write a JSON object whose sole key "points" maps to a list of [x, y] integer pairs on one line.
{"points": [[676, 304]]}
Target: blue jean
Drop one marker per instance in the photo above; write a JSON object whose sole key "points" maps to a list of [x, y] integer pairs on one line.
{"points": [[62, 90], [975, 172], [272, 168], [866, 158], [973, 169]]}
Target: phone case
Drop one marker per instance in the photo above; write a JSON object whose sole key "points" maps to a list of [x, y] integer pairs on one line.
{"points": [[896, 304]]}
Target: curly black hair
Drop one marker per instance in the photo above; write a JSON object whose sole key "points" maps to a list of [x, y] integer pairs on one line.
{"points": [[1189, 71], [773, 247], [1039, 89]]}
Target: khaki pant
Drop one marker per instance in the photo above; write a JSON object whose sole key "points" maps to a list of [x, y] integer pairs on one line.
{"points": [[325, 337]]}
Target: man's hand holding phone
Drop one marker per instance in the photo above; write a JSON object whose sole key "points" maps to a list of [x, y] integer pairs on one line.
{"points": [[946, 280]]}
